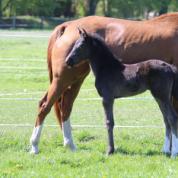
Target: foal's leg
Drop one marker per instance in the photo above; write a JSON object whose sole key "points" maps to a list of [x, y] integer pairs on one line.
{"points": [[175, 104], [44, 108], [108, 108], [167, 141], [163, 98], [173, 121], [170, 114]]}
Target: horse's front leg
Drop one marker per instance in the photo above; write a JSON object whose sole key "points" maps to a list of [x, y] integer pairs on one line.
{"points": [[108, 109]]}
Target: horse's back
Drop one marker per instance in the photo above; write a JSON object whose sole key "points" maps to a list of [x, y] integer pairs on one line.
{"points": [[133, 41], [143, 40]]}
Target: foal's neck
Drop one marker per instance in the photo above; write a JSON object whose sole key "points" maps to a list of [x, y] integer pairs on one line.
{"points": [[102, 59]]}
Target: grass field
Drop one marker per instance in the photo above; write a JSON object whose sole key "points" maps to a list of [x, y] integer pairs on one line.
{"points": [[24, 79]]}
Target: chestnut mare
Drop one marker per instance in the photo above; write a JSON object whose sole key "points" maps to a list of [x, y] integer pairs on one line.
{"points": [[114, 79], [132, 41]]}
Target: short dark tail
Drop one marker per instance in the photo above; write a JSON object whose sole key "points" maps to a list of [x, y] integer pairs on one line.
{"points": [[175, 86]]}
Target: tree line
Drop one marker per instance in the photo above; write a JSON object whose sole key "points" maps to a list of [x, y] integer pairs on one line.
{"points": [[78, 8]]}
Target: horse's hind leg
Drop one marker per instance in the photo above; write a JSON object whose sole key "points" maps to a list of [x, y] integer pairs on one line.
{"points": [[44, 108], [63, 107], [67, 101]]}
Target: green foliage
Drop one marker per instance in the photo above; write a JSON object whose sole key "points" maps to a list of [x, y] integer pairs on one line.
{"points": [[138, 8], [35, 7], [75, 8]]}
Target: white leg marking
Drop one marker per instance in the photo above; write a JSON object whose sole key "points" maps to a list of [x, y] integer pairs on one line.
{"points": [[174, 146], [67, 135], [167, 145], [35, 138]]}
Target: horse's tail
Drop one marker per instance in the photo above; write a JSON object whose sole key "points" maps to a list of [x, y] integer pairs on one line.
{"points": [[59, 30], [175, 85]]}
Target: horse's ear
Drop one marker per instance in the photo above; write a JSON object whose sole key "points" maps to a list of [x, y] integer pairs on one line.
{"points": [[82, 32]]}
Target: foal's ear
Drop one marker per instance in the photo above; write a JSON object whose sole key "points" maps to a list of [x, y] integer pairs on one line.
{"points": [[82, 32]]}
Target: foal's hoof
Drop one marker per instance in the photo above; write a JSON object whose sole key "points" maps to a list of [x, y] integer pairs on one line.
{"points": [[110, 151], [174, 155], [34, 150], [166, 150], [167, 153], [71, 146]]}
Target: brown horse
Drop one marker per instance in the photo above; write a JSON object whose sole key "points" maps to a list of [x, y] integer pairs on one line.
{"points": [[132, 41]]}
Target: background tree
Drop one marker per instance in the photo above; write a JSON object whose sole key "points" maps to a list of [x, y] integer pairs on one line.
{"points": [[78, 8]]}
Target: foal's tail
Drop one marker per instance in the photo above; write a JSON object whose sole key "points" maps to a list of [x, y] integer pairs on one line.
{"points": [[175, 85]]}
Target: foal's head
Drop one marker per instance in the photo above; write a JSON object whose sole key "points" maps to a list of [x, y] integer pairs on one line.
{"points": [[82, 48]]}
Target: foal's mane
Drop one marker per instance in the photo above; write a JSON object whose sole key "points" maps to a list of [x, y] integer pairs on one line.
{"points": [[98, 39], [105, 53]]}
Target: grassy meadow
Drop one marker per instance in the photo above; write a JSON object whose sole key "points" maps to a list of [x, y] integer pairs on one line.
{"points": [[24, 80]]}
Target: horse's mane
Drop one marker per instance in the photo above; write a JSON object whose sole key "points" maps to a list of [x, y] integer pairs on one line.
{"points": [[166, 16]]}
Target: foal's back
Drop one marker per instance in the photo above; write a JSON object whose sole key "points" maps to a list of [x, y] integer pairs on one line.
{"points": [[151, 65], [153, 75]]}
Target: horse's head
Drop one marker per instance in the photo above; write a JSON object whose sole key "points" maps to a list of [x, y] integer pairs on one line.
{"points": [[80, 50]]}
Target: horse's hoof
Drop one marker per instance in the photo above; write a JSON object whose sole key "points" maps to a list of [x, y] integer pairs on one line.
{"points": [[34, 150]]}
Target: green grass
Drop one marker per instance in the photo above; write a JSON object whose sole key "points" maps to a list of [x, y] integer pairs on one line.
{"points": [[138, 150]]}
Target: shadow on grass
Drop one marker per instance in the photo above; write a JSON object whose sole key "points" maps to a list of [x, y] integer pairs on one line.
{"points": [[84, 148], [134, 153]]}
